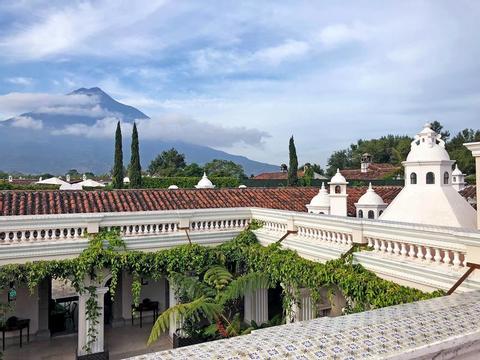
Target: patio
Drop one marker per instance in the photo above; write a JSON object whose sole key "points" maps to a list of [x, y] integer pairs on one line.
{"points": [[121, 342]]}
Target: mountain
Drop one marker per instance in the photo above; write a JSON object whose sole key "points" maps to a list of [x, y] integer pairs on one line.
{"points": [[36, 141]]}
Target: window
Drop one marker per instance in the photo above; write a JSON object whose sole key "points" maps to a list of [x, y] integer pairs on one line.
{"points": [[371, 214], [360, 213], [413, 178], [454, 179], [445, 177], [430, 179], [338, 189], [380, 213]]}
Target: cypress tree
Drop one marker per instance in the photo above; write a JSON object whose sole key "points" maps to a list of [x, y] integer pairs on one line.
{"points": [[135, 169], [117, 180], [293, 168]]}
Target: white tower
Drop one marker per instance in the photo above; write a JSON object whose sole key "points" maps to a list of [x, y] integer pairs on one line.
{"points": [[458, 179], [428, 196], [338, 195], [320, 203], [370, 205]]}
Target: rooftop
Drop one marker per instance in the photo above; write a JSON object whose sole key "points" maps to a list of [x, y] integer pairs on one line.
{"points": [[416, 330]]}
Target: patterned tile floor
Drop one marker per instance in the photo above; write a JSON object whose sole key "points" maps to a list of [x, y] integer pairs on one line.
{"points": [[372, 334]]}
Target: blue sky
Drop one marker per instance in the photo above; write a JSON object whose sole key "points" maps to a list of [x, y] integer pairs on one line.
{"points": [[328, 72]]}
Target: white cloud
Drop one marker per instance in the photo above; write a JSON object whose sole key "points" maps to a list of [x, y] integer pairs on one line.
{"points": [[20, 80], [171, 127], [338, 34], [14, 103], [289, 50], [26, 122]]}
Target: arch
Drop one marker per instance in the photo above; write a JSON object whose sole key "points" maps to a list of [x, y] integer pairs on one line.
{"points": [[371, 214], [430, 178], [360, 213], [380, 213], [338, 189], [413, 178], [446, 177], [454, 179]]}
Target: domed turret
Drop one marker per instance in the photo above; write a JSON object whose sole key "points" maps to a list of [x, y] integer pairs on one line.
{"points": [[338, 194], [370, 204], [458, 179], [428, 196], [204, 183], [320, 203]]}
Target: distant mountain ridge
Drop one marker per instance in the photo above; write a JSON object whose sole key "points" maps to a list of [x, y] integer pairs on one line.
{"points": [[28, 145]]}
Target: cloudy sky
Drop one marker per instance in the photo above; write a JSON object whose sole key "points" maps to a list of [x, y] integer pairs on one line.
{"points": [[328, 72]]}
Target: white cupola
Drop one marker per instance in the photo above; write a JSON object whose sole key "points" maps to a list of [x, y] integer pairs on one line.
{"points": [[320, 203], [428, 196], [84, 177], [338, 195], [370, 205], [67, 177], [173, 187], [10, 178], [204, 183], [458, 179]]}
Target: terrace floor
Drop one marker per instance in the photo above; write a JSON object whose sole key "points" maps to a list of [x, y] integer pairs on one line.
{"points": [[121, 342]]}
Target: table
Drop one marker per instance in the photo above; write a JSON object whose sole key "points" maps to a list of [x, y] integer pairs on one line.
{"points": [[17, 325], [145, 306]]}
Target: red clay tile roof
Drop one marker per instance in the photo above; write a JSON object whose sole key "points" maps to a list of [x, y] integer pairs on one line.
{"points": [[470, 193], [374, 172], [70, 202], [276, 175]]}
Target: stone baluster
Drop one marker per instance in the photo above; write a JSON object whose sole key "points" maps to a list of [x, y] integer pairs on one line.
{"points": [[446, 257], [376, 246], [382, 246], [419, 252], [389, 247], [411, 252], [438, 256], [403, 249], [456, 259], [428, 254]]}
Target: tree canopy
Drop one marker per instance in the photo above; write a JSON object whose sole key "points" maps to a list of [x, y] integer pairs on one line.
{"points": [[224, 168], [293, 168], [168, 163]]}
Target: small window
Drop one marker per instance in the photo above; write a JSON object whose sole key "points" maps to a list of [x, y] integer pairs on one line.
{"points": [[413, 178], [380, 213], [360, 213], [454, 179], [371, 214], [338, 189], [446, 177], [430, 179]]}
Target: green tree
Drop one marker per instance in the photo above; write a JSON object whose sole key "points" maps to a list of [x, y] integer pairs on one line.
{"points": [[207, 303], [437, 127], [118, 173], [73, 173], [293, 168], [135, 169], [460, 153], [340, 159], [168, 163], [192, 170], [224, 168]]}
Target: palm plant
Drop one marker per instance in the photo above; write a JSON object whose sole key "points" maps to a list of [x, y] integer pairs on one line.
{"points": [[209, 302]]}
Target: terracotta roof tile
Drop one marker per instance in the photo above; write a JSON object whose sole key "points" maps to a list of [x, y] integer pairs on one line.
{"points": [[69, 202]]}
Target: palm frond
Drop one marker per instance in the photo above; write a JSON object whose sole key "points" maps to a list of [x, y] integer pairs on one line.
{"points": [[191, 286], [244, 284], [202, 306], [218, 276]]}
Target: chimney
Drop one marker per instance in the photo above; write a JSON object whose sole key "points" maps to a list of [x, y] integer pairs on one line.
{"points": [[475, 149], [366, 160]]}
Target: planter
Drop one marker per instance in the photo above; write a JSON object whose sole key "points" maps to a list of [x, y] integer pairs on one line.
{"points": [[185, 341]]}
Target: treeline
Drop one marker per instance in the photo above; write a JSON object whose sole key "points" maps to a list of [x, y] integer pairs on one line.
{"points": [[393, 149]]}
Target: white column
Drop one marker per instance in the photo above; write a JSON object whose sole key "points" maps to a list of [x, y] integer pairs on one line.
{"points": [[175, 322], [256, 306], [83, 324], [475, 149], [304, 309]]}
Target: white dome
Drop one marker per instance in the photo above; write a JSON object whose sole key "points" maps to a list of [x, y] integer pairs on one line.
{"points": [[457, 171], [173, 187], [242, 187], [370, 198], [322, 199], [427, 146], [126, 179], [204, 183], [338, 178]]}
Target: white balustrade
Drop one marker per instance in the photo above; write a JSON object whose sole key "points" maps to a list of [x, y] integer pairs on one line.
{"points": [[418, 252]]}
